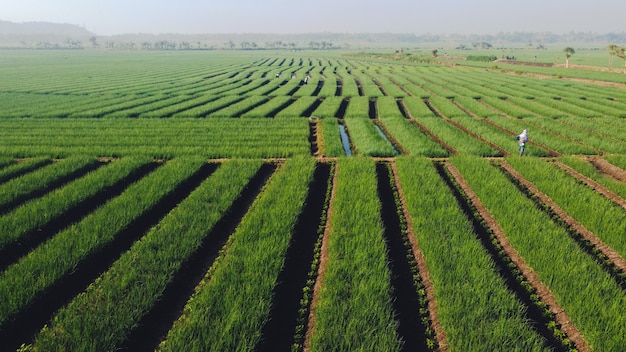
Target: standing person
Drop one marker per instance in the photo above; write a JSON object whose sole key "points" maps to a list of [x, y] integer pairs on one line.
{"points": [[522, 139]]}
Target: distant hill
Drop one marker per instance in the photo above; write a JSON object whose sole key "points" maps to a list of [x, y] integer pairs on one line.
{"points": [[42, 35], [46, 35]]}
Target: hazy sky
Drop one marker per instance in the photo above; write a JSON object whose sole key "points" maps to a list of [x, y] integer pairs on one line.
{"points": [[106, 17]]}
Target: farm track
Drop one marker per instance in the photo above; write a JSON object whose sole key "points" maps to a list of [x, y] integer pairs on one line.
{"points": [[33, 317], [587, 240], [544, 293], [60, 182], [278, 332], [13, 252], [154, 325]]}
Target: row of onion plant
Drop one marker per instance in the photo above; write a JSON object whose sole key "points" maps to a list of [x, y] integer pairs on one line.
{"points": [[232, 303], [101, 317]]}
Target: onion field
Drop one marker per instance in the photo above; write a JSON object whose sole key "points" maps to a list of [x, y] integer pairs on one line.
{"points": [[307, 201]]}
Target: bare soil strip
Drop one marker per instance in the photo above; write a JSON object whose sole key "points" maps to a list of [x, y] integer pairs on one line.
{"points": [[607, 168], [593, 184], [280, 328], [310, 328], [440, 334], [313, 128], [541, 289], [587, 235], [406, 303], [155, 324]]}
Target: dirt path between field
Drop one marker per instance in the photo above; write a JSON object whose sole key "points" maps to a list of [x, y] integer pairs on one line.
{"points": [[595, 185], [310, 328], [607, 168], [440, 334], [541, 289], [610, 253]]}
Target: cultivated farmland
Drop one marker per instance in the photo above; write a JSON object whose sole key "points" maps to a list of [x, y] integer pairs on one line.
{"points": [[307, 201]]}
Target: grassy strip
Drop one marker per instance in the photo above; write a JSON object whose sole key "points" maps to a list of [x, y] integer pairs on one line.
{"points": [[102, 316], [475, 308], [591, 298], [332, 146], [366, 138], [42, 178], [23, 281], [36, 213], [157, 138], [354, 310], [231, 305]]}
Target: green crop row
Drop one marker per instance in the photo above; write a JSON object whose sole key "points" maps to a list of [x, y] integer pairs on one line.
{"points": [[358, 107], [475, 309], [236, 109], [13, 169], [454, 137], [42, 179], [25, 219], [213, 138], [297, 108], [330, 145], [102, 316], [354, 310], [238, 289], [268, 108], [592, 299], [595, 212], [24, 281], [368, 139], [328, 108]]}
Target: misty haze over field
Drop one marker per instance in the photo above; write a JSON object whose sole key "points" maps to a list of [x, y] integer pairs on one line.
{"points": [[113, 17]]}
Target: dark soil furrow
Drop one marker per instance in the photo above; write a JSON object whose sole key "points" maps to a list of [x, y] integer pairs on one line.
{"points": [[280, 328], [405, 299], [313, 136], [30, 320], [155, 324], [422, 270]]}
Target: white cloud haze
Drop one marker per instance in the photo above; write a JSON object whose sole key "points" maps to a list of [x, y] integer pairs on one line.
{"points": [[106, 17]]}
